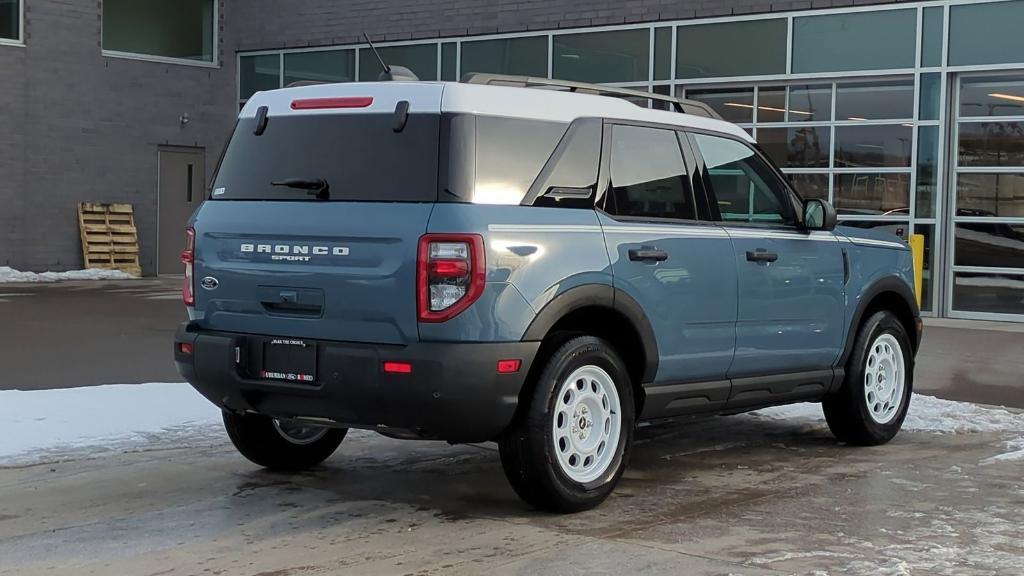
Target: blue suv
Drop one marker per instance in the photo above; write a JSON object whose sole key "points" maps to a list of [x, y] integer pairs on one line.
{"points": [[544, 268]]}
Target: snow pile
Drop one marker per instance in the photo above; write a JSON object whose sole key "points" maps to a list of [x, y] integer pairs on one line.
{"points": [[54, 425], [8, 274], [927, 414]]}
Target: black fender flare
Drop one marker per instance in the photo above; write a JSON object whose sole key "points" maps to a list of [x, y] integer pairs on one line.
{"points": [[893, 284], [603, 296]]}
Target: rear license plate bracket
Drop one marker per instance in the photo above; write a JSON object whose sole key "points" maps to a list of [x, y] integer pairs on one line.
{"points": [[289, 360]]}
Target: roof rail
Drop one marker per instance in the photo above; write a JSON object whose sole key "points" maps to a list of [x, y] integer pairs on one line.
{"points": [[678, 104]]}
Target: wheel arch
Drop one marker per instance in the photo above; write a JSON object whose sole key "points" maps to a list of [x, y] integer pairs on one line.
{"points": [[889, 293], [605, 312]]}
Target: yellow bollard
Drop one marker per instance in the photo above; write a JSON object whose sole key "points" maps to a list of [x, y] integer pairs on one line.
{"points": [[917, 249]]}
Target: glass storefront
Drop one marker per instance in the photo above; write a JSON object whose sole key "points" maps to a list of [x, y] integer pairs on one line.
{"points": [[908, 117]]}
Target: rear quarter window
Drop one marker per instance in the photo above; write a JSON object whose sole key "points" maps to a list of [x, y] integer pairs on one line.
{"points": [[510, 153]]}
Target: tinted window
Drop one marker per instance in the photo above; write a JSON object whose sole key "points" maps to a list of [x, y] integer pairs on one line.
{"points": [[854, 41], [449, 55], [875, 100], [10, 21], [615, 56], [735, 105], [745, 186], [927, 170], [510, 153], [164, 28], [420, 58], [875, 146], [750, 48], [522, 56], [931, 37], [256, 73], [648, 174], [322, 66], [990, 195], [992, 96], [804, 147], [810, 103], [873, 193], [986, 33], [991, 144], [573, 165], [359, 156]]}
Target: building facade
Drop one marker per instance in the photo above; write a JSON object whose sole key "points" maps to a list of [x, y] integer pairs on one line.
{"points": [[908, 116]]}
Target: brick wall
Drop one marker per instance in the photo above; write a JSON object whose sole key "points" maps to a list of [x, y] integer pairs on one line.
{"points": [[79, 126], [295, 23]]}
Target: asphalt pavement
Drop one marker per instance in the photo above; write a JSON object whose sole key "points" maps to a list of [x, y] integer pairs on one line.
{"points": [[723, 496], [68, 334], [121, 332]]}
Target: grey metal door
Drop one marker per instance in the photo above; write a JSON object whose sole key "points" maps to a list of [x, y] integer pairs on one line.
{"points": [[182, 178]]}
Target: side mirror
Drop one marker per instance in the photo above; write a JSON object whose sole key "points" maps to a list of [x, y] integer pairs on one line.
{"points": [[819, 215]]}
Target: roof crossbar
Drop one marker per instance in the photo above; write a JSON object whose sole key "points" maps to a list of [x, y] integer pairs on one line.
{"points": [[678, 104]]}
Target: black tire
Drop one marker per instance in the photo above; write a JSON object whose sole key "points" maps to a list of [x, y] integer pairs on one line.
{"points": [[528, 447], [847, 412], [259, 440]]}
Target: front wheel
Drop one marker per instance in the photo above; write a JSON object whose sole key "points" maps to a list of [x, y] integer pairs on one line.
{"points": [[870, 407], [280, 444], [568, 446]]}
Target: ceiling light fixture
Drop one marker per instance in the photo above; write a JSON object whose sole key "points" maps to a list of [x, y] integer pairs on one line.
{"points": [[1007, 96], [768, 108]]}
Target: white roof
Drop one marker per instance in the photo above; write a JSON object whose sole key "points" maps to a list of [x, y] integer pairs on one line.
{"points": [[456, 97]]}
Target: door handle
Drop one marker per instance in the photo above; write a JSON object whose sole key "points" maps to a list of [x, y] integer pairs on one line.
{"points": [[761, 255], [648, 255]]}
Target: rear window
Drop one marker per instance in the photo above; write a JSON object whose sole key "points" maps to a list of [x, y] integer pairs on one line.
{"points": [[360, 157]]}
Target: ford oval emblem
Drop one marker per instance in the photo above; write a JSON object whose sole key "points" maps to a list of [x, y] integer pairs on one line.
{"points": [[209, 283]]}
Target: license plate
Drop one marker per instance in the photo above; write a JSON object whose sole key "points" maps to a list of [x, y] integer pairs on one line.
{"points": [[290, 360]]}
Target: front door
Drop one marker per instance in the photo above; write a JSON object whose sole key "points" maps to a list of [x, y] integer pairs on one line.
{"points": [[182, 177], [678, 269], [791, 282]]}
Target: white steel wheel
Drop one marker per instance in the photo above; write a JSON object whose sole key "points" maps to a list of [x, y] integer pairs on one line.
{"points": [[586, 423], [297, 433], [885, 375]]}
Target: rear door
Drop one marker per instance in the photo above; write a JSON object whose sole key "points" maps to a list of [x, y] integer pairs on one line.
{"points": [[679, 269], [285, 260], [791, 281]]}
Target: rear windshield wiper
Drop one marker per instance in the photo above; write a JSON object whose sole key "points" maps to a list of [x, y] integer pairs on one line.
{"points": [[316, 186]]}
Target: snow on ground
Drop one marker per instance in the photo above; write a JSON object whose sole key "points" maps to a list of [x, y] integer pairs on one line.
{"points": [[927, 414], [8, 274], [55, 425]]}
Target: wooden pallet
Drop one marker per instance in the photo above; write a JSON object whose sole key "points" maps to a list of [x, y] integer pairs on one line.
{"points": [[109, 238]]}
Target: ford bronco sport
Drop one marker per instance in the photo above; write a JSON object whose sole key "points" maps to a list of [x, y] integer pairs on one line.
{"points": [[544, 268]]}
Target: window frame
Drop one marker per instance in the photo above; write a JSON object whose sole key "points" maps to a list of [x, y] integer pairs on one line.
{"points": [[20, 40], [215, 47], [796, 203], [691, 178]]}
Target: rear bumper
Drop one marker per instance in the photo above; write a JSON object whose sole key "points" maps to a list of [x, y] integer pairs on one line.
{"points": [[453, 393]]}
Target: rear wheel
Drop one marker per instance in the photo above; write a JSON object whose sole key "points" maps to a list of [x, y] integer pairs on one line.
{"points": [[870, 407], [568, 446], [281, 444]]}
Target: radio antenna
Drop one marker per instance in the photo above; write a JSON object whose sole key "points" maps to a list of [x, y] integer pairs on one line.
{"points": [[387, 69]]}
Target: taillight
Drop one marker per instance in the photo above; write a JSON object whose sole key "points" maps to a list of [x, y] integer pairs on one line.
{"points": [[451, 275], [188, 257]]}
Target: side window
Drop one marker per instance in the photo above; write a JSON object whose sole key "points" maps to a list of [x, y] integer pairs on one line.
{"points": [[648, 176], [746, 188]]}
